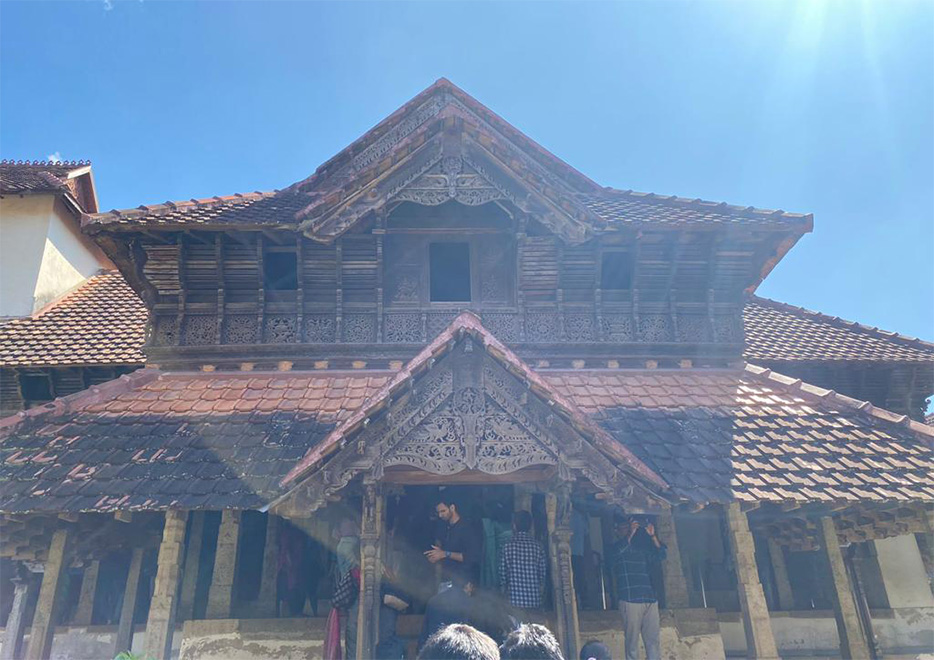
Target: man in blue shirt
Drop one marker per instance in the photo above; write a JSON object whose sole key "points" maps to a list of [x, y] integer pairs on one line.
{"points": [[638, 548]]}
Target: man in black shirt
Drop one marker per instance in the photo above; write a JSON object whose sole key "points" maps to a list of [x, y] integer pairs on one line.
{"points": [[459, 556]]}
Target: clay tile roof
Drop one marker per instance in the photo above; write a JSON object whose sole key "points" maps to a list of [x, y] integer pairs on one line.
{"points": [[21, 177], [780, 332], [755, 435], [260, 209], [155, 440], [631, 207], [103, 321]]}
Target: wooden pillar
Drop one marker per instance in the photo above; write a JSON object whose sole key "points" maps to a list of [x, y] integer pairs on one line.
{"points": [[853, 643], [161, 623], [786, 600], [370, 572], [267, 587], [45, 618], [85, 609], [558, 511], [16, 622], [676, 586], [220, 596], [124, 638], [192, 568], [760, 642]]}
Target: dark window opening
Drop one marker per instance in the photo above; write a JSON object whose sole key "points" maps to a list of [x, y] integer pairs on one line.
{"points": [[36, 387], [280, 271], [450, 272], [616, 271]]}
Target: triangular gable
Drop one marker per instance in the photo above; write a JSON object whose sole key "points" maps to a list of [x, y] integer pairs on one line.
{"points": [[440, 146], [466, 402]]}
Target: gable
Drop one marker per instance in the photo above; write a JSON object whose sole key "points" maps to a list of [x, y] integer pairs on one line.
{"points": [[444, 146]]}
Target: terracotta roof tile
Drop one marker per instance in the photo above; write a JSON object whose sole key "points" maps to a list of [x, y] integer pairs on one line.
{"points": [[778, 332], [20, 177], [101, 322]]}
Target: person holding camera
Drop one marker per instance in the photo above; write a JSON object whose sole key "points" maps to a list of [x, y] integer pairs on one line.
{"points": [[633, 555]]}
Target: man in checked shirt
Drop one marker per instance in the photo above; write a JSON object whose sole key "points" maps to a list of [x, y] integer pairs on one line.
{"points": [[522, 567]]}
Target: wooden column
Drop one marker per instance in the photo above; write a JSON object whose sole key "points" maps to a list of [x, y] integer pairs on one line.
{"points": [[124, 638], [45, 618], [370, 572], [760, 642], [16, 622], [853, 645], [85, 609], [220, 597], [267, 587], [191, 570], [786, 600], [558, 511], [161, 623], [676, 586]]}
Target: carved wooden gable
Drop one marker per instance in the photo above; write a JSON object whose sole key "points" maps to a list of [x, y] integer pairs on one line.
{"points": [[469, 413], [445, 146]]}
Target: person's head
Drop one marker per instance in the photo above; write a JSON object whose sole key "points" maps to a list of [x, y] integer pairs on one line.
{"points": [[522, 521], [530, 641], [459, 642], [594, 650], [446, 509]]}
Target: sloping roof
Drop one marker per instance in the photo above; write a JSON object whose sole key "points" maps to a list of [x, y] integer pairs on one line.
{"points": [[22, 177], [153, 440], [103, 321], [780, 332], [469, 323], [751, 435]]}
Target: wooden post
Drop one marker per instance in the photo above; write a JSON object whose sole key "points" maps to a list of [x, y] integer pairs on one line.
{"points": [[124, 638], [186, 599], [220, 596], [267, 587], [370, 572], [760, 642], [676, 586], [161, 623], [85, 609], [558, 511], [45, 618], [853, 643], [16, 622], [786, 600]]}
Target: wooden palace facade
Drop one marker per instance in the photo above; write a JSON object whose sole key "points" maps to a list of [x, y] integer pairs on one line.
{"points": [[446, 305]]}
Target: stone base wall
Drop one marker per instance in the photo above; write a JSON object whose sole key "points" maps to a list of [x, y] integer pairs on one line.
{"points": [[93, 642], [691, 633], [253, 639]]}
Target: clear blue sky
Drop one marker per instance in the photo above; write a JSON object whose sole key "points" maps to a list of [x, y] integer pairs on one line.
{"points": [[822, 107]]}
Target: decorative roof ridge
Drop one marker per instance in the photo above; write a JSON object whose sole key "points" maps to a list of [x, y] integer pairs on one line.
{"points": [[64, 298], [707, 205], [174, 206], [45, 163], [468, 322], [825, 395], [72, 402], [875, 331]]}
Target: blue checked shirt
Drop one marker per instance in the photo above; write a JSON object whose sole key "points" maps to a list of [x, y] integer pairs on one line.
{"points": [[522, 571], [631, 566]]}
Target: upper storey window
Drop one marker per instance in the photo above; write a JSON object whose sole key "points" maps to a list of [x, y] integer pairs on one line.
{"points": [[449, 272], [280, 271], [616, 271]]}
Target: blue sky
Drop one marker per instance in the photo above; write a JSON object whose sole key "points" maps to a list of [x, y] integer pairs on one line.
{"points": [[824, 107]]}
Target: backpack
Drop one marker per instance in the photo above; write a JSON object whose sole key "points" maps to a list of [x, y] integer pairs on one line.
{"points": [[347, 589]]}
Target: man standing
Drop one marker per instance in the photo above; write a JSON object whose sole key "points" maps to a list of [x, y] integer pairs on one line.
{"points": [[522, 567], [638, 602]]}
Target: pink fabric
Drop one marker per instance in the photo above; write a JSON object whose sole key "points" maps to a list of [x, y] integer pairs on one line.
{"points": [[332, 636]]}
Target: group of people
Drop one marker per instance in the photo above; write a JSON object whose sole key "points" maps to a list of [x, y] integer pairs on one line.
{"points": [[531, 641], [463, 610]]}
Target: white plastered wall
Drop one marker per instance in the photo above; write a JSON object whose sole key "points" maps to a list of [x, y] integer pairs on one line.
{"points": [[906, 583]]}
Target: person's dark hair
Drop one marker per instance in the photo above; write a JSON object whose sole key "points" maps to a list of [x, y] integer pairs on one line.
{"points": [[459, 641], [530, 642], [594, 650], [446, 500], [522, 521]]}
